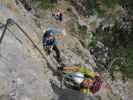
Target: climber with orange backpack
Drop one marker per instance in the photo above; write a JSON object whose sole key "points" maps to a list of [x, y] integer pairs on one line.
{"points": [[84, 79]]}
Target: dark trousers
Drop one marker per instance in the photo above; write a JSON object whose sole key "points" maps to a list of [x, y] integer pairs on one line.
{"points": [[55, 48]]}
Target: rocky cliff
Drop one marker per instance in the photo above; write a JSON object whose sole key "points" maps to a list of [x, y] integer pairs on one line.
{"points": [[26, 71]]}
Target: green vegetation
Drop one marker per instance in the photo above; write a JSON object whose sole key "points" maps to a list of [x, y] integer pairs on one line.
{"points": [[126, 4], [126, 65], [93, 43], [45, 4], [90, 6], [82, 29], [119, 40], [100, 6], [111, 3]]}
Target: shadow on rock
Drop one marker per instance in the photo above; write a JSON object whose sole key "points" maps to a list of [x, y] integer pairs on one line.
{"points": [[68, 94]]}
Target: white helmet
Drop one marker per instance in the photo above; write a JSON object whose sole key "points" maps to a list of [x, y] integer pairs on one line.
{"points": [[50, 33], [64, 32], [44, 30], [78, 77]]}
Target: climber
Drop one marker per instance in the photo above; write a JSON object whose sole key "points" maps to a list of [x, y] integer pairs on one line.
{"points": [[88, 81], [51, 39], [58, 15]]}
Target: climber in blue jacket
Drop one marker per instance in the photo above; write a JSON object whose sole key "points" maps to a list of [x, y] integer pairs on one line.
{"points": [[49, 43]]}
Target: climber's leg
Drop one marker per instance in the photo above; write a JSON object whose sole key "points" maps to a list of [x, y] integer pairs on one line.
{"points": [[47, 49], [55, 48]]}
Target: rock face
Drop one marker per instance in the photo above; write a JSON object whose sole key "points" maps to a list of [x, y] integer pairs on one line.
{"points": [[21, 66], [24, 73]]}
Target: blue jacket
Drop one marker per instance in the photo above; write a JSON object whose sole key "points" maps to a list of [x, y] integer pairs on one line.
{"points": [[46, 41]]}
